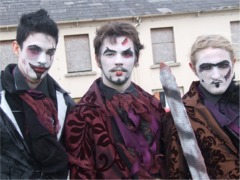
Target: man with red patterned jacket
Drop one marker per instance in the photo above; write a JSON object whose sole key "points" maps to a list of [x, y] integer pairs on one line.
{"points": [[114, 132]]}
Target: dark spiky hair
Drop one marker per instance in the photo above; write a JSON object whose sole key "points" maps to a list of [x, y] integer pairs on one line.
{"points": [[38, 21]]}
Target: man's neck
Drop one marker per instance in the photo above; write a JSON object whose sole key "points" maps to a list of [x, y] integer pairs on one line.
{"points": [[33, 85], [109, 92], [208, 96]]}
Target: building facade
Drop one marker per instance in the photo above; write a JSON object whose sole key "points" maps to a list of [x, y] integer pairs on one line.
{"points": [[167, 36]]}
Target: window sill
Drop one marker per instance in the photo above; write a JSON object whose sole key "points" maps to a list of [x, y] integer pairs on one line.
{"points": [[170, 64], [75, 74]]}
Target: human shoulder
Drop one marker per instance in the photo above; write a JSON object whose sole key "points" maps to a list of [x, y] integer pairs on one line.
{"points": [[141, 90], [192, 92], [232, 93], [86, 112], [144, 93], [56, 88], [93, 97], [90, 100]]}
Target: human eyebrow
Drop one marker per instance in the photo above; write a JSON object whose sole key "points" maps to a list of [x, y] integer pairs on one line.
{"points": [[34, 49], [109, 51], [205, 66], [223, 64]]}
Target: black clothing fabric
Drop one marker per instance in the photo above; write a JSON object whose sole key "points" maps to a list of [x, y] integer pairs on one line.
{"points": [[37, 154]]}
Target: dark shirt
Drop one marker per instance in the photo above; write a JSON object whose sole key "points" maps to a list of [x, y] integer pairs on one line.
{"points": [[109, 92], [225, 112]]}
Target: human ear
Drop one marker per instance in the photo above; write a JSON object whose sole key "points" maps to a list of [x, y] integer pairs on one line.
{"points": [[16, 48], [136, 64], [193, 68], [234, 60], [98, 61]]}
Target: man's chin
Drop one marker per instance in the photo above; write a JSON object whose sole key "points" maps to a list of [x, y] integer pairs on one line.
{"points": [[218, 92], [119, 81]]}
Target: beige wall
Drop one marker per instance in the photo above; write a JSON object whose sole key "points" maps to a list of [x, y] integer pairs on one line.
{"points": [[186, 28]]}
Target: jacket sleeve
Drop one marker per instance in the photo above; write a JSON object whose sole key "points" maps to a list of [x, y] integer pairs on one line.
{"points": [[78, 143]]}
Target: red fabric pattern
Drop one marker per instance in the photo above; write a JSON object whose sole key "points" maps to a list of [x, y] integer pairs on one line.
{"points": [[93, 151]]}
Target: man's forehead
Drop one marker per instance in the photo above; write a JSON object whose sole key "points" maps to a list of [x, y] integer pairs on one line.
{"points": [[41, 40], [34, 45], [212, 55], [123, 40]]}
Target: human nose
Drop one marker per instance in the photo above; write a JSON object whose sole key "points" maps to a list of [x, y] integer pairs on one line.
{"points": [[118, 60], [215, 73], [42, 60]]}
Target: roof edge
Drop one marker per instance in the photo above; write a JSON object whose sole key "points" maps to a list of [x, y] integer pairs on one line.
{"points": [[8, 27]]}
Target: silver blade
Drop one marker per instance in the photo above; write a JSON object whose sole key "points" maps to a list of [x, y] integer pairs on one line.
{"points": [[186, 134]]}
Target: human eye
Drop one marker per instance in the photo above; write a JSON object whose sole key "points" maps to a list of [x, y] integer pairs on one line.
{"points": [[109, 54], [34, 50], [127, 53], [51, 52], [223, 65], [205, 67]]}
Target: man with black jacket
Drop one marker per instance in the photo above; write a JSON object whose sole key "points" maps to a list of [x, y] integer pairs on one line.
{"points": [[33, 106]]}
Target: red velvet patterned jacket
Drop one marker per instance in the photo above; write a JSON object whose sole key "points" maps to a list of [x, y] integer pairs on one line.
{"points": [[95, 144]]}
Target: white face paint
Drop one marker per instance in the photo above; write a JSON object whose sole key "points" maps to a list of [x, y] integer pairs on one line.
{"points": [[36, 56], [214, 68], [117, 61]]}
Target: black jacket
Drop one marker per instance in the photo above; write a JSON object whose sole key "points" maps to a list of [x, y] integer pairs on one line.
{"points": [[40, 157]]}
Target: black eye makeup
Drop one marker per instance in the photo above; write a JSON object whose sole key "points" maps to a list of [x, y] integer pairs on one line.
{"points": [[223, 65], [109, 52], [34, 50], [127, 53], [51, 52], [208, 66], [205, 67]]}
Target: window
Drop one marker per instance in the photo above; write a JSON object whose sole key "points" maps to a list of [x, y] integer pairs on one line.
{"points": [[7, 55], [235, 32], [163, 46], [160, 95], [77, 53]]}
